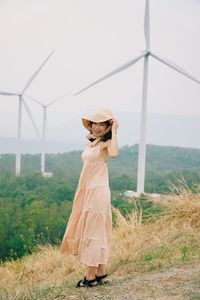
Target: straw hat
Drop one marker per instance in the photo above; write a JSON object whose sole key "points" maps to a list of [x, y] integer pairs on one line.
{"points": [[102, 115]]}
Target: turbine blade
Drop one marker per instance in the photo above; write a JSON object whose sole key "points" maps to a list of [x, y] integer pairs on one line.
{"points": [[32, 98], [4, 93], [36, 72], [174, 66], [46, 125], [60, 97], [118, 70], [147, 25], [31, 118]]}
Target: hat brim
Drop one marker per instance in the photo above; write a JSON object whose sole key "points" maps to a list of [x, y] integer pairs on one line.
{"points": [[97, 118]]}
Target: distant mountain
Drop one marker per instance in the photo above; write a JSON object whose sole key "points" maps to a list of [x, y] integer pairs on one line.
{"points": [[160, 160], [169, 130], [8, 145]]}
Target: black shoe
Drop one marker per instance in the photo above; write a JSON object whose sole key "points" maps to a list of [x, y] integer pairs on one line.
{"points": [[100, 281], [86, 283]]}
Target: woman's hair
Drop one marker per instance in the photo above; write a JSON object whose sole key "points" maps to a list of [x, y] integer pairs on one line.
{"points": [[105, 137]]}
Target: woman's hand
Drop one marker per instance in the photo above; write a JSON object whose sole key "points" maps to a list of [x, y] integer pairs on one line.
{"points": [[115, 125]]}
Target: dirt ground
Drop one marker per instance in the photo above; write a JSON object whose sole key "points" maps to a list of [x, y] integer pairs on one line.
{"points": [[177, 283]]}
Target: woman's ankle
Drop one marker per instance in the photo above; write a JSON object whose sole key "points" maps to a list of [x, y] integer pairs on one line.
{"points": [[100, 274]]}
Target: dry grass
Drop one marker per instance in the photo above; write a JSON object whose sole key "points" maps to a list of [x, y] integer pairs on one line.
{"points": [[172, 239], [185, 210]]}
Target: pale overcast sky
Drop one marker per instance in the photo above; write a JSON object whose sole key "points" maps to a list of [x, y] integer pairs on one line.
{"points": [[90, 38]]}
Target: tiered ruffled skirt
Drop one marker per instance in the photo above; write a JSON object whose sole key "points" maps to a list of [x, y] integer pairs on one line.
{"points": [[89, 229]]}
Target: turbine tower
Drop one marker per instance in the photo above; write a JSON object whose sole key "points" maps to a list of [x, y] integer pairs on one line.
{"points": [[22, 101], [144, 54]]}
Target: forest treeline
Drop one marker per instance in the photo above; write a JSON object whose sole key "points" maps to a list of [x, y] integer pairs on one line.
{"points": [[34, 209]]}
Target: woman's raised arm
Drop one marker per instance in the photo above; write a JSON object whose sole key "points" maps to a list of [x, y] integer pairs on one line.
{"points": [[113, 144]]}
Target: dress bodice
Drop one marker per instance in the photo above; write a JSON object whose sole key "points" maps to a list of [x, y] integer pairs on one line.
{"points": [[95, 170], [94, 154]]}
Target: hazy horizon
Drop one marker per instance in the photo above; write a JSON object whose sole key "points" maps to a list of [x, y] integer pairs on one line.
{"points": [[162, 129]]}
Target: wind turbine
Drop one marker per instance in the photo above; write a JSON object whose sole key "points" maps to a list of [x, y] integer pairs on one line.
{"points": [[44, 127], [21, 101], [144, 54]]}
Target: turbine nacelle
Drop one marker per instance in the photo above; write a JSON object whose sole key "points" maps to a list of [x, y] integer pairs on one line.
{"points": [[146, 52]]}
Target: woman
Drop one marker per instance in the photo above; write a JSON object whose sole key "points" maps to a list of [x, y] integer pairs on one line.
{"points": [[88, 232]]}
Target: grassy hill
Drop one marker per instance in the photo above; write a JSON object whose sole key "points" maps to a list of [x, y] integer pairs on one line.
{"points": [[155, 259]]}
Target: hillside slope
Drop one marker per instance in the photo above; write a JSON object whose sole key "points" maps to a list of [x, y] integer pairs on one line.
{"points": [[156, 259]]}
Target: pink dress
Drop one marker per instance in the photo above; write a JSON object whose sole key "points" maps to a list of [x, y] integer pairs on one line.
{"points": [[88, 232]]}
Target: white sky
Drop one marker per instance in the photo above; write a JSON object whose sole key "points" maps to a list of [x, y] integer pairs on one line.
{"points": [[91, 38]]}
